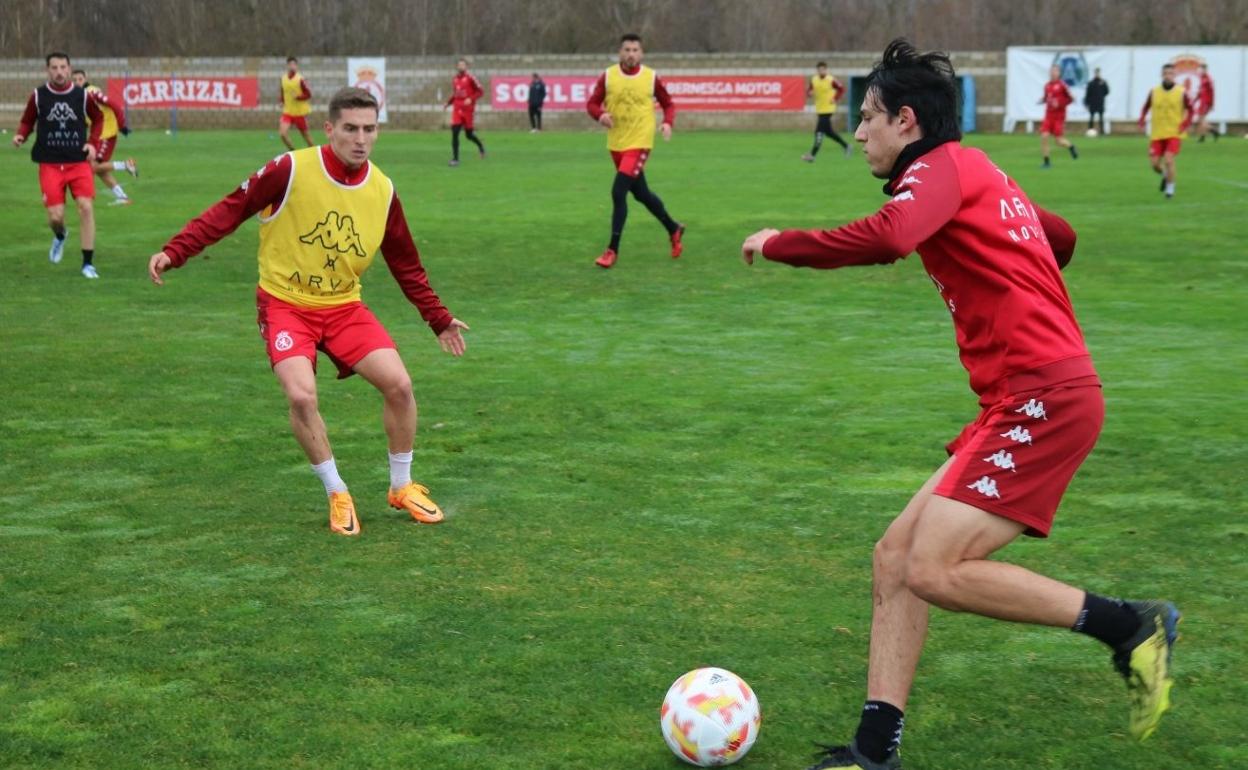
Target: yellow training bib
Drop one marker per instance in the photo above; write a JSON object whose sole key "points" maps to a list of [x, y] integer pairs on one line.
{"points": [[110, 118], [1167, 109], [314, 248], [292, 105], [630, 100], [825, 96]]}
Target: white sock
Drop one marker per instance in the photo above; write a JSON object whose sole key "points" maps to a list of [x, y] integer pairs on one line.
{"points": [[400, 469], [327, 472], [1170, 188], [119, 165], [118, 192]]}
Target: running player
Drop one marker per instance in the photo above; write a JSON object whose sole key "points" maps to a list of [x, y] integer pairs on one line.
{"points": [[466, 90], [1055, 100], [1204, 105], [623, 101], [296, 101], [827, 91], [59, 111], [114, 122], [324, 212], [994, 257], [1172, 114]]}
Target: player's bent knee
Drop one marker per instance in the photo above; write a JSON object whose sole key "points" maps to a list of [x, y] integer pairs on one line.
{"points": [[931, 582], [302, 401]]}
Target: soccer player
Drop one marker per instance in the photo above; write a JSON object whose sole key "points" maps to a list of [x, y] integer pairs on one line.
{"points": [[296, 101], [1055, 100], [1172, 114], [827, 91], [623, 102], [994, 257], [1204, 104], [59, 111], [114, 122], [465, 91], [1094, 99], [324, 212]]}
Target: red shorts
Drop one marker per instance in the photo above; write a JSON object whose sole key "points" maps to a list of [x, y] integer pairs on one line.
{"points": [[630, 162], [298, 121], [55, 177], [105, 153], [463, 117], [1054, 125], [345, 333], [1018, 457], [1159, 147]]}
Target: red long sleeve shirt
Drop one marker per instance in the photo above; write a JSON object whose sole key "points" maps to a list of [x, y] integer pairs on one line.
{"points": [[267, 187], [993, 256], [465, 86], [1056, 98], [594, 105], [30, 116]]}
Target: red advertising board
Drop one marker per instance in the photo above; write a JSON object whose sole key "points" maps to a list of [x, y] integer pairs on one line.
{"points": [[185, 93], [697, 93]]}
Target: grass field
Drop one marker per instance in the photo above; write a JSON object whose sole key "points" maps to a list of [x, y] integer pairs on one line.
{"points": [[648, 469]]}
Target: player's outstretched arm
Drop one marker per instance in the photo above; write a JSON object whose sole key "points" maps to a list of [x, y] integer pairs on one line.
{"points": [[452, 339], [159, 263]]}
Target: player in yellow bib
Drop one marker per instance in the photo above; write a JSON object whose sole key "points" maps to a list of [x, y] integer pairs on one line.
{"points": [[114, 123], [623, 101], [324, 212], [1172, 114], [296, 101], [826, 91]]}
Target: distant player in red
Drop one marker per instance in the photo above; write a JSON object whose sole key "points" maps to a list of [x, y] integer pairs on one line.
{"points": [[1055, 100], [1204, 105], [58, 112], [994, 257], [466, 91]]}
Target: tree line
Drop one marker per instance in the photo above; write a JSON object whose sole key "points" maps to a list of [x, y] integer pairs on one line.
{"points": [[181, 28]]}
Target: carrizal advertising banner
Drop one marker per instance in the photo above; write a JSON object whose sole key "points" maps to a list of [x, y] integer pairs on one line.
{"points": [[185, 93], [696, 93]]}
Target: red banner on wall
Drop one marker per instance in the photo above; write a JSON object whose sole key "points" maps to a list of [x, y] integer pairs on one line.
{"points": [[189, 93], [696, 93]]}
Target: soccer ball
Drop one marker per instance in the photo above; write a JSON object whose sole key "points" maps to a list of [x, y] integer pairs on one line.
{"points": [[1091, 133], [710, 717]]}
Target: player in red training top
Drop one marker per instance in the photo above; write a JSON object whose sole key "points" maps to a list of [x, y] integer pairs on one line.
{"points": [[1204, 105], [1056, 99], [58, 112], [994, 257], [466, 91], [324, 213]]}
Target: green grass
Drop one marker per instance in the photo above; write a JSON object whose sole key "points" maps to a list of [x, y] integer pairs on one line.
{"points": [[667, 465]]}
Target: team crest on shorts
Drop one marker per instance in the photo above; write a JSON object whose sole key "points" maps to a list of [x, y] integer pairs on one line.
{"points": [[283, 341]]}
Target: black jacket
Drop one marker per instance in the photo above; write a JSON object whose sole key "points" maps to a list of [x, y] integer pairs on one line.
{"points": [[537, 93], [1094, 96]]}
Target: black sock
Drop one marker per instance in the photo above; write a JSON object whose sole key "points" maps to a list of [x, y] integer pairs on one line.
{"points": [[87, 256], [653, 203], [472, 137], [619, 208], [1110, 620], [58, 232], [879, 731], [455, 142], [837, 138], [1046, 160], [814, 149]]}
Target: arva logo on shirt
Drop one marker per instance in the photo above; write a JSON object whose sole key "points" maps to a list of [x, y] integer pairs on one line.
{"points": [[337, 233]]}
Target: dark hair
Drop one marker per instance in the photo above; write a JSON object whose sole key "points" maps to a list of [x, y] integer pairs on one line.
{"points": [[289, 59], [630, 37], [350, 98], [79, 72], [1167, 66], [823, 64], [925, 82], [56, 55]]}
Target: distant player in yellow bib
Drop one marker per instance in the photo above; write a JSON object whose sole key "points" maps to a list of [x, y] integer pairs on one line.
{"points": [[324, 212], [114, 123], [296, 101], [826, 91], [623, 101], [1172, 114]]}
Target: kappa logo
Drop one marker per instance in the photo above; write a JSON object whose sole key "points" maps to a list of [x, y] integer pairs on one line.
{"points": [[1033, 408], [986, 487], [905, 195], [911, 179], [62, 113], [916, 166], [1021, 435], [336, 232], [1002, 459], [283, 341]]}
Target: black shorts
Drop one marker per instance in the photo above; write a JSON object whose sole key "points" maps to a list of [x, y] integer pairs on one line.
{"points": [[824, 124]]}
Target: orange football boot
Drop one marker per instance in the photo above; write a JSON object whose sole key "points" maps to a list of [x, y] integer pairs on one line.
{"points": [[607, 259], [414, 499], [677, 247], [342, 518]]}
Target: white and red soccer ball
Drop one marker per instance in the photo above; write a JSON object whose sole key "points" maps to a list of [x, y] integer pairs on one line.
{"points": [[710, 717]]}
